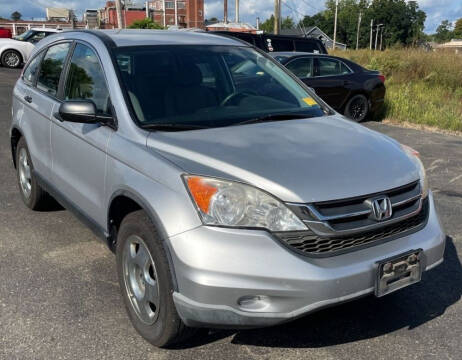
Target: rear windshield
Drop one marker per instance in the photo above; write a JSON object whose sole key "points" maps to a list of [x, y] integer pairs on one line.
{"points": [[209, 86]]}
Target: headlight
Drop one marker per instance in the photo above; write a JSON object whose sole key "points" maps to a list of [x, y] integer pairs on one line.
{"points": [[229, 203], [415, 158]]}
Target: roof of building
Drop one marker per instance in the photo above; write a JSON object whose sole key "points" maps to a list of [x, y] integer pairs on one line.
{"points": [[131, 37]]}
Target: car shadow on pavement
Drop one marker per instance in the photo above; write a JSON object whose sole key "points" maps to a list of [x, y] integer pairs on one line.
{"points": [[361, 319]]}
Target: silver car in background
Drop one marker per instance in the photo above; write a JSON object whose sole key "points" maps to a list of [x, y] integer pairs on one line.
{"points": [[231, 194]]}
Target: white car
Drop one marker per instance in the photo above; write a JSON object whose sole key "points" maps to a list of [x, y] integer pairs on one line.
{"points": [[14, 52]]}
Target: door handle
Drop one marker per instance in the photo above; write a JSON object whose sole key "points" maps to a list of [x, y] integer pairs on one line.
{"points": [[28, 98]]}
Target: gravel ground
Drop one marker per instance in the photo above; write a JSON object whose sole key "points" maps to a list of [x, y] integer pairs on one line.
{"points": [[59, 297]]}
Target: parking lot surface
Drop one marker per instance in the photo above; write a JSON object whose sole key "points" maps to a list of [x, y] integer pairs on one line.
{"points": [[59, 296]]}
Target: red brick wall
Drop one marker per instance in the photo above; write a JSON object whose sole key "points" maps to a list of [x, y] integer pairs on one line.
{"points": [[128, 16]]}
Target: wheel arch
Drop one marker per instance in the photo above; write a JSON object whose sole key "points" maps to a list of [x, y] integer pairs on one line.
{"points": [[21, 53], [16, 135], [122, 202]]}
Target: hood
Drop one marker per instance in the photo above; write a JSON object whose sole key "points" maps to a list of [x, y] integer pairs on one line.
{"points": [[7, 40], [309, 160]]}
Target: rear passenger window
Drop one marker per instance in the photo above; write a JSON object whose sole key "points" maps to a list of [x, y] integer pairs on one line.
{"points": [[86, 79], [302, 67], [332, 67], [30, 73], [306, 46], [51, 68], [282, 44]]}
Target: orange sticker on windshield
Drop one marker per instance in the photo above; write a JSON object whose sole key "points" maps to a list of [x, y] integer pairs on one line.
{"points": [[310, 101]]}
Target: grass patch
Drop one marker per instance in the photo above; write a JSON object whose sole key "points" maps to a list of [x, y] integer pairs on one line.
{"points": [[423, 88]]}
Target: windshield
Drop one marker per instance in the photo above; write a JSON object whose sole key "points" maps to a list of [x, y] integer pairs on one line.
{"points": [[25, 35], [209, 86]]}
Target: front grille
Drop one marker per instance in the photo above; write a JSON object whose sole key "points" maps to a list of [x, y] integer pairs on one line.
{"points": [[340, 226]]}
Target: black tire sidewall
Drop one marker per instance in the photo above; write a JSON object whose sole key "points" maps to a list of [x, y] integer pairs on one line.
{"points": [[347, 108], [4, 62], [165, 328]]}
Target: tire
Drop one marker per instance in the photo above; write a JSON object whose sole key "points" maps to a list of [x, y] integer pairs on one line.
{"points": [[142, 267], [357, 108], [11, 59], [33, 196]]}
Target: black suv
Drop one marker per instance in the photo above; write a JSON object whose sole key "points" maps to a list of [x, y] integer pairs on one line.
{"points": [[270, 42]]}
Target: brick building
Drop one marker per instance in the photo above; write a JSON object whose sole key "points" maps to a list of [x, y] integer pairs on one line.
{"points": [[190, 13], [108, 15]]}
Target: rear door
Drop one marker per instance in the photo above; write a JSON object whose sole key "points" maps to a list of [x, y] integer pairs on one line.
{"points": [[332, 80], [79, 150]]}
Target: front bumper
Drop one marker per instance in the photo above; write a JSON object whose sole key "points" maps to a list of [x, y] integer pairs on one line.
{"points": [[245, 278]]}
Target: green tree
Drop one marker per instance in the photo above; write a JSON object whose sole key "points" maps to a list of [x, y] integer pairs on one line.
{"points": [[443, 32], [16, 16], [268, 25], [145, 24], [458, 29]]}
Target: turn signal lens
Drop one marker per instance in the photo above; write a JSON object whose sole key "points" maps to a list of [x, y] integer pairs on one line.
{"points": [[201, 191]]}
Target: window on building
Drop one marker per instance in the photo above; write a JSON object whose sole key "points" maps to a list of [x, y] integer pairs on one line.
{"points": [[51, 68], [170, 5], [181, 5], [86, 79]]}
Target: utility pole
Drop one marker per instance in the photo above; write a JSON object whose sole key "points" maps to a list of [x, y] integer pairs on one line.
{"points": [[176, 13], [146, 7], [277, 16], [258, 23], [370, 40], [377, 29], [237, 11], [381, 37], [119, 14], [164, 16], [357, 32], [225, 14], [335, 25]]}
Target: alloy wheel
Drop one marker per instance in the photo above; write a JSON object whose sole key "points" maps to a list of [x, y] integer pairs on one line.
{"points": [[140, 279], [12, 59], [25, 178], [358, 108]]}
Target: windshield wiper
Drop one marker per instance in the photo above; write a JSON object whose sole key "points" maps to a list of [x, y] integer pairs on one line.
{"points": [[274, 117], [173, 127]]}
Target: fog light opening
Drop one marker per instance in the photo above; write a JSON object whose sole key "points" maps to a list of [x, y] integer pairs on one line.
{"points": [[253, 302]]}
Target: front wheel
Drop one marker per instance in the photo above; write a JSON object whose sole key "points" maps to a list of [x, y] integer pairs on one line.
{"points": [[11, 59], [357, 108], [32, 194], [146, 282]]}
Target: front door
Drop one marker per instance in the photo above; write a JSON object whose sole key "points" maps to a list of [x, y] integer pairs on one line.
{"points": [[79, 150]]}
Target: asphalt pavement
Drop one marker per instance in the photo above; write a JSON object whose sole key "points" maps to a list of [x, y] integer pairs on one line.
{"points": [[59, 296]]}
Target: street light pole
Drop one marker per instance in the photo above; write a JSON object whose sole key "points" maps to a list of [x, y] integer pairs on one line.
{"points": [[335, 25], [381, 37]]}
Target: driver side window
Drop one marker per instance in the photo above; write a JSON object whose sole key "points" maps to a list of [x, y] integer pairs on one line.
{"points": [[86, 80], [39, 35]]}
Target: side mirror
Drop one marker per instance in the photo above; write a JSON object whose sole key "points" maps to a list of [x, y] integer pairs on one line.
{"points": [[81, 111]]}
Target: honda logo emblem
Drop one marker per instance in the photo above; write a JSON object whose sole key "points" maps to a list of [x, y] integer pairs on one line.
{"points": [[381, 208]]}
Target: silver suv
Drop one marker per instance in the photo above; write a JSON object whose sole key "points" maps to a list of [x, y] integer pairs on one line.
{"points": [[230, 193]]}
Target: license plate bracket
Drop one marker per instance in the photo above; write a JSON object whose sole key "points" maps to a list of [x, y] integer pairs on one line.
{"points": [[398, 271]]}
